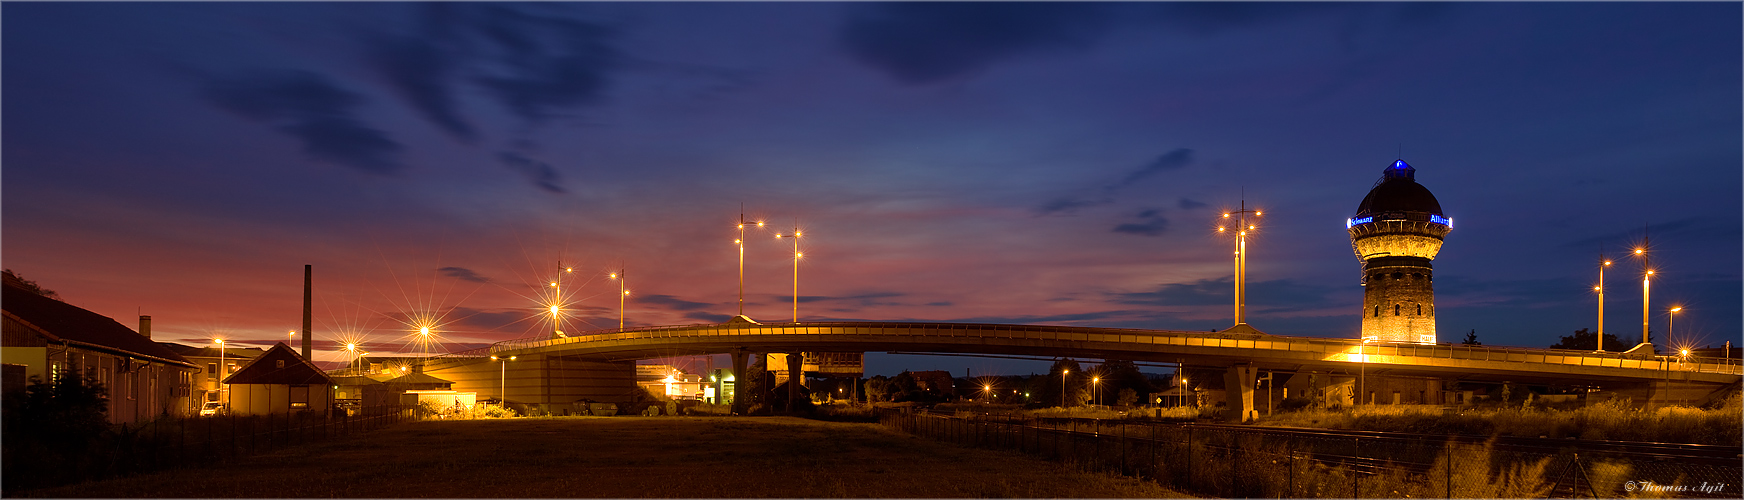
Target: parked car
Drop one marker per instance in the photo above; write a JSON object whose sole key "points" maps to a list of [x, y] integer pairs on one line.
{"points": [[212, 408]]}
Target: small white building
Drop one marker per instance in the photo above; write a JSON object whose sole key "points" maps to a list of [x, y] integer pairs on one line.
{"points": [[279, 381]]}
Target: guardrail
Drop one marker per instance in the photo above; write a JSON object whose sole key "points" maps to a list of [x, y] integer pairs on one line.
{"points": [[1351, 350]]}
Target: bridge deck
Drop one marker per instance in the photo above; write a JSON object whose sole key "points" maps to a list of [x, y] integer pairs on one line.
{"points": [[1270, 352]]}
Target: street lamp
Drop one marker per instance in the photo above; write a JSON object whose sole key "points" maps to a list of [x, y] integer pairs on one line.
{"points": [[796, 256], [1670, 322], [503, 381], [221, 372], [1242, 228], [741, 243], [352, 347], [1093, 382], [987, 389], [1063, 373], [557, 300], [1603, 263], [1362, 371], [1181, 400], [1646, 280], [621, 276]]}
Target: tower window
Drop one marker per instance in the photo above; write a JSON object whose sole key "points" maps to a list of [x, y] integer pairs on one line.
{"points": [[1377, 311], [1416, 276], [1419, 309], [1395, 309], [1398, 276]]}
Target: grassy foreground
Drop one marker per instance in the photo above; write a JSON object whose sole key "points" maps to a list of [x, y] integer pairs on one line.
{"points": [[628, 457]]}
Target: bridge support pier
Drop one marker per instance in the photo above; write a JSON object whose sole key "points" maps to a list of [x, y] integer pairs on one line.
{"points": [[1239, 382], [741, 400], [795, 376]]}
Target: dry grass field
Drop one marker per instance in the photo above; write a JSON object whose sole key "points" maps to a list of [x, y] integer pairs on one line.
{"points": [[628, 457]]}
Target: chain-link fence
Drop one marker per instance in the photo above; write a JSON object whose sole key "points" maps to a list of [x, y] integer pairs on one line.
{"points": [[1238, 462], [36, 461]]}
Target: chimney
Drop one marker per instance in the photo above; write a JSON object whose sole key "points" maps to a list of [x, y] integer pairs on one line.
{"points": [[308, 334], [145, 326]]}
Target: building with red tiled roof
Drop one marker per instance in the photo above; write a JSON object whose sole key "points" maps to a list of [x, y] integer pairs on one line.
{"points": [[279, 381], [44, 337]]}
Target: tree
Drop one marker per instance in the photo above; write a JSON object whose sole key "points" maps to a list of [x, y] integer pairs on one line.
{"points": [[19, 281], [1127, 397], [1583, 340], [877, 388], [57, 425], [1077, 384], [1472, 338]]}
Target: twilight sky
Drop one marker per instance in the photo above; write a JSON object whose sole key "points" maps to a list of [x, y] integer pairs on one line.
{"points": [[1012, 163]]}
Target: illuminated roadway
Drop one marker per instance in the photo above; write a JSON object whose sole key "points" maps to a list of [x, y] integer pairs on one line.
{"points": [[1205, 349]]}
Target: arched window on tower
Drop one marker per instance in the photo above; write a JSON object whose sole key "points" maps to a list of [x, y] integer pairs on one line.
{"points": [[1395, 309], [1419, 309], [1377, 310]]}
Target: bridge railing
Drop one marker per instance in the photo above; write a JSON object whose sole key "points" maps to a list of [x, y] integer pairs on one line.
{"points": [[1325, 347]]}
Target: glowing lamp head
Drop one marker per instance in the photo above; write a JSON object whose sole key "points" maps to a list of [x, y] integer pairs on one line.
{"points": [[759, 223], [218, 341], [612, 276], [1257, 213], [351, 347], [799, 255], [554, 310], [626, 292], [986, 387], [1219, 229], [1649, 272], [1638, 251], [736, 242], [425, 331], [1676, 309], [493, 357], [1226, 215], [553, 283], [1607, 263], [1683, 352]]}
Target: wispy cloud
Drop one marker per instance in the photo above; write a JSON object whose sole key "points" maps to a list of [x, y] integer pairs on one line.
{"points": [[313, 109]]}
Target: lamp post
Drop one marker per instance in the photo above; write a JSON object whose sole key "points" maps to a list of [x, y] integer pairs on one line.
{"points": [[1063, 373], [557, 300], [1646, 281], [1603, 263], [1093, 382], [796, 256], [1242, 229], [503, 381], [352, 348], [221, 373], [1181, 400], [1363, 371], [1671, 321], [741, 243], [987, 390], [621, 276]]}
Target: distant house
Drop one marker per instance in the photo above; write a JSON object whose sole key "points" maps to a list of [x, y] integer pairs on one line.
{"points": [[43, 337], [279, 381], [206, 386]]}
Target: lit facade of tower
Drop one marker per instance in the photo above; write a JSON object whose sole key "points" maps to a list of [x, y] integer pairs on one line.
{"points": [[1396, 232]]}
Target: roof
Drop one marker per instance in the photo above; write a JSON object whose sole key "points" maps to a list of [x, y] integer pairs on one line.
{"points": [[353, 380], [189, 351], [62, 322], [1398, 192], [265, 369], [418, 378]]}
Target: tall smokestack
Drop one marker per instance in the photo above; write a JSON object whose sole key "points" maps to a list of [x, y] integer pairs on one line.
{"points": [[308, 336], [145, 326]]}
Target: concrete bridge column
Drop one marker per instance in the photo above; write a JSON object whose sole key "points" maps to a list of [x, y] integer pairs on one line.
{"points": [[795, 374], [741, 359], [1239, 382]]}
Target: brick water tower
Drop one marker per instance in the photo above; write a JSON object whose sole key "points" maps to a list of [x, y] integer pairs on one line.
{"points": [[1396, 232]]}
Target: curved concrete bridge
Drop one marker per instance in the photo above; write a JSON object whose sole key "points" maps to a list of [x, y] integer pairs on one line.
{"points": [[1243, 351]]}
